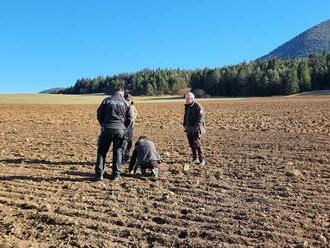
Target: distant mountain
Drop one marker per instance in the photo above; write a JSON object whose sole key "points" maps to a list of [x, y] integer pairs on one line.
{"points": [[313, 40], [51, 91]]}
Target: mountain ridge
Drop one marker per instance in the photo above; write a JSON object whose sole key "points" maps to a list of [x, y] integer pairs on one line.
{"points": [[314, 40]]}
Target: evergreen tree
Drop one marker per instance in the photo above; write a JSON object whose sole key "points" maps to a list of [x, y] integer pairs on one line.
{"points": [[257, 78], [178, 85], [163, 85], [196, 80], [243, 80], [149, 90], [327, 85], [275, 82], [304, 76], [211, 80], [291, 85]]}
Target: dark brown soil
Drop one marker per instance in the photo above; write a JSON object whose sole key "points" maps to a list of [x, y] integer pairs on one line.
{"points": [[266, 182]]}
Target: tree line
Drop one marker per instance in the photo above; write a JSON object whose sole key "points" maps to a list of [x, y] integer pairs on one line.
{"points": [[257, 78], [146, 82]]}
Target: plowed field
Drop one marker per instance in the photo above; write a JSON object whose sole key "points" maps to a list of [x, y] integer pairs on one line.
{"points": [[266, 182]]}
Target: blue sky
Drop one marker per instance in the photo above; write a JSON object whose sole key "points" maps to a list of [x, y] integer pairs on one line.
{"points": [[52, 43]]}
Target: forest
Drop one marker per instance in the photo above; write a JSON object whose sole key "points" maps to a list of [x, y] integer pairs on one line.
{"points": [[256, 78]]}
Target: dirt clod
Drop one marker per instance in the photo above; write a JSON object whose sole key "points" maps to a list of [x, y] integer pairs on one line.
{"points": [[293, 173]]}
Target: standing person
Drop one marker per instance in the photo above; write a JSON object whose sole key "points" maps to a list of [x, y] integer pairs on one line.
{"points": [[194, 126], [130, 129], [146, 156], [114, 116]]}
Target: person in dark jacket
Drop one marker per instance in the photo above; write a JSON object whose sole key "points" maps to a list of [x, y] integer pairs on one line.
{"points": [[194, 126], [130, 130], [114, 116], [146, 156]]}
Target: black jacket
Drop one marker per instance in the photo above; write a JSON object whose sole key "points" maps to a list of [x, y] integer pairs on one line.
{"points": [[114, 112]]}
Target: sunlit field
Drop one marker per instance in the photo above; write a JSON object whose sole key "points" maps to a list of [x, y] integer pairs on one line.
{"points": [[265, 182]]}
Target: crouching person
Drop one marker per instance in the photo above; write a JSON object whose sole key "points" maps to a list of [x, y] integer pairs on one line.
{"points": [[145, 155]]}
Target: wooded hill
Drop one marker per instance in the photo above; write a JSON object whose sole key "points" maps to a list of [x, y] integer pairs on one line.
{"points": [[258, 78]]}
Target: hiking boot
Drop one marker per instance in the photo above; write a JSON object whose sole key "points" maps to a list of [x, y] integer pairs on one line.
{"points": [[202, 163], [98, 178], [155, 172], [117, 178], [126, 158]]}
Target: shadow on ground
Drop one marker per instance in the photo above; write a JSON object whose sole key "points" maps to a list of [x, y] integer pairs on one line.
{"points": [[43, 161]]}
